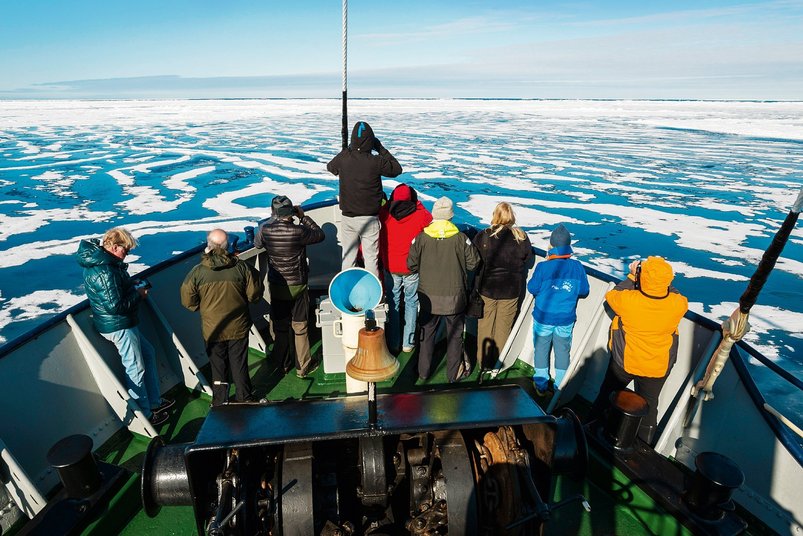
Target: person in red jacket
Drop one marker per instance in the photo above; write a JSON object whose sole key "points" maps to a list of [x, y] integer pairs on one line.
{"points": [[402, 218]]}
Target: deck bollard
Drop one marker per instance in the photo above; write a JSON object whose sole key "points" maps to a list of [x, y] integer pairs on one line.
{"points": [[624, 418], [72, 458], [708, 494]]}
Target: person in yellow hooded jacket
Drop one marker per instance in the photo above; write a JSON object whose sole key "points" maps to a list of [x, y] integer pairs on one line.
{"points": [[442, 256], [643, 338]]}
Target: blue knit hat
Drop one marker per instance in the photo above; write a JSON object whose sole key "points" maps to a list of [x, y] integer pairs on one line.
{"points": [[560, 237]]}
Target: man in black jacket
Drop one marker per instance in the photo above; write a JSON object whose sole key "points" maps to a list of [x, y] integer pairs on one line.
{"points": [[360, 173], [285, 242]]}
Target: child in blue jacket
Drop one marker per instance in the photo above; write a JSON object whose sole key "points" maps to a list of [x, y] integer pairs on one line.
{"points": [[557, 284]]}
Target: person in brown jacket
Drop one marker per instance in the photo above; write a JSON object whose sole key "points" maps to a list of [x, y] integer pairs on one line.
{"points": [[221, 286]]}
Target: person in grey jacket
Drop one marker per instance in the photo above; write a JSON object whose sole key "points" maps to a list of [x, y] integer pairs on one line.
{"points": [[442, 256]]}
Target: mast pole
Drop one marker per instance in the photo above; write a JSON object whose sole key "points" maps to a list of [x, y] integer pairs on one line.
{"points": [[735, 327], [344, 131]]}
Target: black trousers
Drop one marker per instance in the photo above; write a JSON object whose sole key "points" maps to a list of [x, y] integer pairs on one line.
{"points": [[454, 343], [616, 379], [229, 357]]}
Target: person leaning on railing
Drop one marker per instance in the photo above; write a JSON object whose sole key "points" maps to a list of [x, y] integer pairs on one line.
{"points": [[114, 299], [643, 338]]}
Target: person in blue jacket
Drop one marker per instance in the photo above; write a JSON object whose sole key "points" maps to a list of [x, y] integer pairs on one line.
{"points": [[557, 284]]}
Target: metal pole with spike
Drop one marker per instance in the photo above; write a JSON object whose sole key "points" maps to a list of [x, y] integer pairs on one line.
{"points": [[735, 327], [344, 130]]}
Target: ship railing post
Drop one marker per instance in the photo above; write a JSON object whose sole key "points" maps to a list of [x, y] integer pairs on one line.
{"points": [[20, 487], [190, 372], [574, 364], [117, 396]]}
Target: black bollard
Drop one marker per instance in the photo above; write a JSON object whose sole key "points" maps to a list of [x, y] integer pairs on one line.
{"points": [[72, 458], [624, 418], [709, 492]]}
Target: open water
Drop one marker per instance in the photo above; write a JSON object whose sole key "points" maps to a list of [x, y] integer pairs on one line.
{"points": [[703, 184]]}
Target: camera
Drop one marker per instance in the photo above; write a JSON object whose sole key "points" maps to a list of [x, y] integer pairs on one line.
{"points": [[142, 284]]}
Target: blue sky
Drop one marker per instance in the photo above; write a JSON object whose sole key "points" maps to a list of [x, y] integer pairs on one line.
{"points": [[515, 49]]}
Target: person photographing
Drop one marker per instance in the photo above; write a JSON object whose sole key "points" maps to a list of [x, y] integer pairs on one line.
{"points": [[643, 338]]}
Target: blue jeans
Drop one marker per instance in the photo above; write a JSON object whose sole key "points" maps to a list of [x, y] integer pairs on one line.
{"points": [[139, 360], [408, 283], [546, 336]]}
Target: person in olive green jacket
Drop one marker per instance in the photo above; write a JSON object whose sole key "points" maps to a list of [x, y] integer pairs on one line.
{"points": [[221, 286], [442, 256]]}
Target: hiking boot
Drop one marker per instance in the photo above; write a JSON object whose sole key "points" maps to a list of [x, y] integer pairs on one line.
{"points": [[164, 403], [158, 418]]}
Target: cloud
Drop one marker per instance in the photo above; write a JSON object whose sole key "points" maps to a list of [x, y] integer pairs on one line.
{"points": [[461, 27], [748, 51]]}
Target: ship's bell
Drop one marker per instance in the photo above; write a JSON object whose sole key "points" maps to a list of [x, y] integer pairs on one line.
{"points": [[372, 362]]}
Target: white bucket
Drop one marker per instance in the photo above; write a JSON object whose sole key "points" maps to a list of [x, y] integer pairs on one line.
{"points": [[348, 330]]}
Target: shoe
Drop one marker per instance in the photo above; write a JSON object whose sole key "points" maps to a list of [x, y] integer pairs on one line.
{"points": [[158, 418], [164, 403], [541, 384], [466, 370], [408, 349], [308, 371]]}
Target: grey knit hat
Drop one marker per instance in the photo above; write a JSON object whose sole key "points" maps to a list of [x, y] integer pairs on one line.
{"points": [[443, 209], [282, 206]]}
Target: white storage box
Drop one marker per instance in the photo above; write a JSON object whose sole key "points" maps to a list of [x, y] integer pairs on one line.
{"points": [[326, 315]]}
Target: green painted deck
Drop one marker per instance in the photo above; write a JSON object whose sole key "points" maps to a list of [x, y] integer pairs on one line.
{"points": [[618, 507]]}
